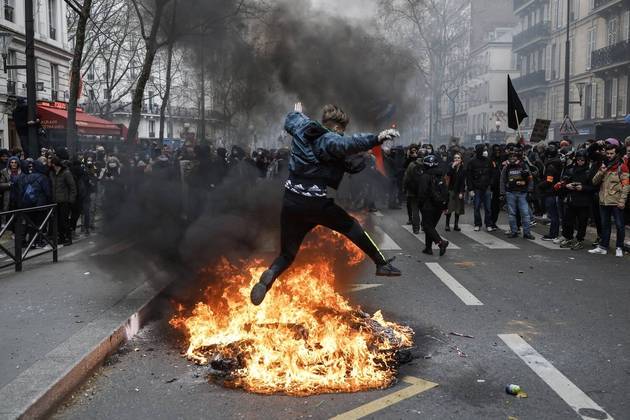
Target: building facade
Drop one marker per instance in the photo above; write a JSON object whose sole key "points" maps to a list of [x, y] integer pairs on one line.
{"points": [[599, 62], [53, 57]]}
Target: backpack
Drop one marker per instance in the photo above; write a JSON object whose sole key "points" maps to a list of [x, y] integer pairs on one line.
{"points": [[29, 197], [439, 191]]}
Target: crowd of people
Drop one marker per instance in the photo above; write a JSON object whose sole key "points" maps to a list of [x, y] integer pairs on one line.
{"points": [[567, 186]]}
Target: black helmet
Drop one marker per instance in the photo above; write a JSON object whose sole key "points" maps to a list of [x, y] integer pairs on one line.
{"points": [[430, 161]]}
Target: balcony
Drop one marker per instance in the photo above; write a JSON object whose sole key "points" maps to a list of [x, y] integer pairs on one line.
{"points": [[537, 33], [611, 56], [531, 80], [10, 87], [608, 7]]}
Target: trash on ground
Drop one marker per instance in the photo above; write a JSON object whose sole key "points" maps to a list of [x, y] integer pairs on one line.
{"points": [[461, 335], [87, 273], [481, 381], [515, 390], [170, 381]]}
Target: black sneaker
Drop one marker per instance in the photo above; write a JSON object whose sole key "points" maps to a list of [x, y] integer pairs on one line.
{"points": [[260, 289], [416, 231], [443, 245], [427, 251], [387, 269], [513, 235], [408, 222], [529, 236], [457, 229], [447, 228]]}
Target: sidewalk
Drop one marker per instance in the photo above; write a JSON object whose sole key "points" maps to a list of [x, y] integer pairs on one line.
{"points": [[58, 321]]}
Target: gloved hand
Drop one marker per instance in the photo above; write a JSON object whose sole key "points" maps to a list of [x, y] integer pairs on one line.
{"points": [[389, 134]]}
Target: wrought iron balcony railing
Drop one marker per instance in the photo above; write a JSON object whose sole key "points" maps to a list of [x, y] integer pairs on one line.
{"points": [[609, 56], [530, 80], [539, 31]]}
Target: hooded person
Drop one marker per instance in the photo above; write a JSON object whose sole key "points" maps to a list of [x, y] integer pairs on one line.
{"points": [[34, 191], [479, 173], [64, 193], [319, 159], [13, 174], [433, 194]]}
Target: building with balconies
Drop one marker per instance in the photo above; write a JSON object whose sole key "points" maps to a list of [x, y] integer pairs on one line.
{"points": [[53, 56]]}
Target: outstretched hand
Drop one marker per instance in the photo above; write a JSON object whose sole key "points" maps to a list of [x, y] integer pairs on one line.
{"points": [[298, 107], [389, 134]]}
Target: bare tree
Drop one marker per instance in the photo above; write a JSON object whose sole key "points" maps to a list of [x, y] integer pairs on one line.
{"points": [[75, 74], [438, 31]]}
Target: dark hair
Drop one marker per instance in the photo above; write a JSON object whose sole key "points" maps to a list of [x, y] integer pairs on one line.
{"points": [[56, 161], [334, 114]]}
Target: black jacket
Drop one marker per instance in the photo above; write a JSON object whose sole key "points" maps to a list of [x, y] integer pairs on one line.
{"points": [[456, 179], [424, 187], [583, 175], [479, 173], [551, 176]]}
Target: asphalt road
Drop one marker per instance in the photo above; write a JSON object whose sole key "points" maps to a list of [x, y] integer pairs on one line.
{"points": [[553, 321]]}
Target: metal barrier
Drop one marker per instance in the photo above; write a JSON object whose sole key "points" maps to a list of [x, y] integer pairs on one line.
{"points": [[23, 223]]}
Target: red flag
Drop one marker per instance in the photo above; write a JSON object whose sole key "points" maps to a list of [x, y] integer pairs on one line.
{"points": [[380, 164]]}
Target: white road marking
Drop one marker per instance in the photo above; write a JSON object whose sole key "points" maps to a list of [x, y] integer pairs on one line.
{"points": [[358, 287], [115, 249], [486, 239], [386, 243], [539, 241], [581, 403], [456, 287], [420, 237]]}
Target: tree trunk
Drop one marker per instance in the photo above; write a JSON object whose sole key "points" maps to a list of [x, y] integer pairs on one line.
{"points": [[138, 94], [75, 78], [169, 63]]}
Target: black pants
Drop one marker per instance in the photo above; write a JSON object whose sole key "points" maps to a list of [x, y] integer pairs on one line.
{"points": [[63, 222], [495, 207], [430, 218], [575, 216], [301, 214], [414, 214], [597, 218]]}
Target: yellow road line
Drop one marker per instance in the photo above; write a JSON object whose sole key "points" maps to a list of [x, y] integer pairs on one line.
{"points": [[417, 386]]}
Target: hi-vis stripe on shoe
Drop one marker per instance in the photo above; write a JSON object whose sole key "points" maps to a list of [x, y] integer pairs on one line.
{"points": [[386, 243], [581, 403], [420, 237], [539, 241], [486, 239]]}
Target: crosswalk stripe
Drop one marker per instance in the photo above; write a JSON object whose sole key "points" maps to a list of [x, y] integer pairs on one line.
{"points": [[420, 237], [539, 241], [455, 286], [581, 403], [386, 243], [486, 239]]}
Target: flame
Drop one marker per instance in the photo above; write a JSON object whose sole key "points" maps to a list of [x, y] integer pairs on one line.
{"points": [[304, 339]]}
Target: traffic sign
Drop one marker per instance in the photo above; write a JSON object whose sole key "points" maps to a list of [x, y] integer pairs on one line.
{"points": [[568, 128]]}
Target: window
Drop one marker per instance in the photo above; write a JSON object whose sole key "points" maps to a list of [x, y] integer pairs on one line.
{"points": [[150, 101], [614, 97], [622, 97], [90, 75], [613, 30], [54, 81], [91, 95], [9, 9], [588, 101], [151, 128], [106, 94], [52, 18], [591, 46], [11, 74], [554, 60]]}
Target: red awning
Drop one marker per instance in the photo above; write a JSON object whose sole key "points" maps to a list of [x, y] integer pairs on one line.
{"points": [[56, 119]]}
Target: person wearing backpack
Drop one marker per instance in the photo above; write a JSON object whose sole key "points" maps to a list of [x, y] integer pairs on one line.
{"points": [[433, 194], [410, 184], [34, 191]]}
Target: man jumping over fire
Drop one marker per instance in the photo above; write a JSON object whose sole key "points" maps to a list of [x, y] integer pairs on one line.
{"points": [[320, 155]]}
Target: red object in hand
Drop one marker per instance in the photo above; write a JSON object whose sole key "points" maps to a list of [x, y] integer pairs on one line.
{"points": [[558, 186], [380, 164]]}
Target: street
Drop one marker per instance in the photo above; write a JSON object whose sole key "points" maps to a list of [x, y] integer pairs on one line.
{"points": [[552, 321]]}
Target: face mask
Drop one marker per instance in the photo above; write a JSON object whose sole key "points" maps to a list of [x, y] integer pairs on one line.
{"points": [[485, 153], [112, 166]]}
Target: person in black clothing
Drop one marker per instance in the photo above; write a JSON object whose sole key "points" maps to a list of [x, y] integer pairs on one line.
{"points": [[433, 205], [412, 156], [497, 160], [456, 179], [479, 178], [319, 158], [578, 188], [551, 176]]}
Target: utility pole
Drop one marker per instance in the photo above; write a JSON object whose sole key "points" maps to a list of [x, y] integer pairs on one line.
{"points": [[567, 63], [202, 104], [31, 93]]}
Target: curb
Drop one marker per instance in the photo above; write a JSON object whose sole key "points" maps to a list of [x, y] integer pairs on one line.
{"points": [[44, 385]]}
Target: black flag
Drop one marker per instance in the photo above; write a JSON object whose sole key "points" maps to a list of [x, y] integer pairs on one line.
{"points": [[516, 112]]}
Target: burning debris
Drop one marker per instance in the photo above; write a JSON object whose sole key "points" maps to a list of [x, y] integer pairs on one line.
{"points": [[304, 339]]}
